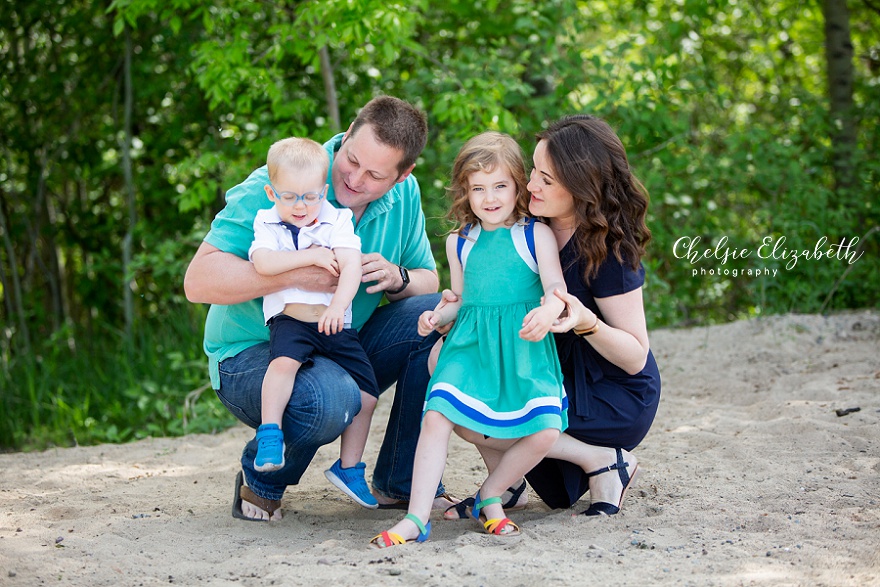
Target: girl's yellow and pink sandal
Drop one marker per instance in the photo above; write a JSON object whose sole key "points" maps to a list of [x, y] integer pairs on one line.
{"points": [[496, 526], [390, 539]]}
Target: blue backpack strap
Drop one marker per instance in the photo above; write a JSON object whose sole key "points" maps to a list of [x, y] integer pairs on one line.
{"points": [[461, 240], [466, 239], [523, 234], [530, 237]]}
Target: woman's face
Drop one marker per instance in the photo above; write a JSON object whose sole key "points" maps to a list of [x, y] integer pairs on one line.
{"points": [[548, 198]]}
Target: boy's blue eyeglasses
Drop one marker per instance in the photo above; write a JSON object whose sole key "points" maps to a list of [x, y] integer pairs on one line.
{"points": [[291, 198]]}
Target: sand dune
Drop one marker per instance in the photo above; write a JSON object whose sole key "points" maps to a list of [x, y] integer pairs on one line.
{"points": [[749, 478]]}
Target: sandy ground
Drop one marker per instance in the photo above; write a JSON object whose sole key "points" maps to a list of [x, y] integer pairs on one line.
{"points": [[749, 478]]}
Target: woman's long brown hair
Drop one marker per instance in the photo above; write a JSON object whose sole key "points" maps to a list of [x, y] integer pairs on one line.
{"points": [[588, 160]]}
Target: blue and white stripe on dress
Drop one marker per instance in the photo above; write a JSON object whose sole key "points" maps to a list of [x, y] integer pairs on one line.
{"points": [[480, 412]]}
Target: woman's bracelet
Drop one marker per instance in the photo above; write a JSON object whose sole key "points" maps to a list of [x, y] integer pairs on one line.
{"points": [[588, 331]]}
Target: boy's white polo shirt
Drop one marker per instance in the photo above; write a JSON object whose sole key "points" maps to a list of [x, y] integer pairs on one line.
{"points": [[333, 228]]}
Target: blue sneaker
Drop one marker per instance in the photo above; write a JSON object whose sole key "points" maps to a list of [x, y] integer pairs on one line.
{"points": [[351, 482], [270, 448]]}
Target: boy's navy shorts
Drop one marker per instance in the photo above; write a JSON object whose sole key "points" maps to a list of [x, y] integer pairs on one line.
{"points": [[289, 337]]}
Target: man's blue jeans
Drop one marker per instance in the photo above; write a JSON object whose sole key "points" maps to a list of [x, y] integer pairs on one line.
{"points": [[325, 399]]}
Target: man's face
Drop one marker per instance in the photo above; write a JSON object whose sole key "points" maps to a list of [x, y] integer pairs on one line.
{"points": [[364, 170]]}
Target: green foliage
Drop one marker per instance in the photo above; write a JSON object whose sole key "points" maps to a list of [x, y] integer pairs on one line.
{"points": [[104, 390], [722, 107], [729, 131]]}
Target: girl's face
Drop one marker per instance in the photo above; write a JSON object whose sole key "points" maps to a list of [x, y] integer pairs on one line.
{"points": [[548, 198], [492, 196]]}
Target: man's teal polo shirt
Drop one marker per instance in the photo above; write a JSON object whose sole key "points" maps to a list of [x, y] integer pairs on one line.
{"points": [[393, 226]]}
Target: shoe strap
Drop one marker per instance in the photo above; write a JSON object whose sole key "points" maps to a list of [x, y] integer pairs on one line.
{"points": [[461, 507], [269, 433], [267, 505], [496, 525], [415, 520], [358, 467], [488, 501], [389, 538], [620, 466], [599, 508], [514, 495], [480, 504]]}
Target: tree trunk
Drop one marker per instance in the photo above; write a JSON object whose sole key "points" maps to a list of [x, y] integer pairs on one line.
{"points": [[51, 266], [128, 294], [15, 294], [840, 73], [330, 89]]}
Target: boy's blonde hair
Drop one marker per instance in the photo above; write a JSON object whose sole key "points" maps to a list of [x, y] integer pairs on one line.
{"points": [[485, 152], [298, 153]]}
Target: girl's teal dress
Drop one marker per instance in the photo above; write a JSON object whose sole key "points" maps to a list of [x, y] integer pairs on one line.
{"points": [[488, 379]]}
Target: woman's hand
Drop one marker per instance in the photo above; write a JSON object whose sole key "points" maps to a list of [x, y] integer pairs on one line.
{"points": [[623, 337], [575, 314]]}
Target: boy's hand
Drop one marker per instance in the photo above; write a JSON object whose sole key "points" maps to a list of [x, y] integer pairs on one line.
{"points": [[332, 320], [324, 258]]}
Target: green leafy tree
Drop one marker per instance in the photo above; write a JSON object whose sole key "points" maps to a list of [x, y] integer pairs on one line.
{"points": [[107, 187]]}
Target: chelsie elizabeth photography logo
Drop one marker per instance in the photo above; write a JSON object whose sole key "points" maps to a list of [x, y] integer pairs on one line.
{"points": [[774, 248]]}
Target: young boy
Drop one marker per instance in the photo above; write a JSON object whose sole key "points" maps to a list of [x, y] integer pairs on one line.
{"points": [[304, 229]]}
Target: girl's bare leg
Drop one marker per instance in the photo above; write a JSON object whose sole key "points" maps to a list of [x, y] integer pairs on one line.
{"points": [[432, 358], [520, 458], [491, 449], [430, 460]]}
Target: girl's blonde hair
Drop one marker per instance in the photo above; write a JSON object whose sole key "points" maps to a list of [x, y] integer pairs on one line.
{"points": [[297, 153], [485, 152]]}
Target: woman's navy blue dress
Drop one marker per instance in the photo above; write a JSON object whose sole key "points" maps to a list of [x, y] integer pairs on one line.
{"points": [[607, 406]]}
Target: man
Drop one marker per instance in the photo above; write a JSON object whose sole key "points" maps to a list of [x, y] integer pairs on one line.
{"points": [[371, 174]]}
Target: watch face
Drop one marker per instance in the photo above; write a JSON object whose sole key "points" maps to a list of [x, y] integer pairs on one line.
{"points": [[404, 276]]}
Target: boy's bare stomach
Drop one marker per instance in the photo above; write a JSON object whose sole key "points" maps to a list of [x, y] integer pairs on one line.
{"points": [[305, 312]]}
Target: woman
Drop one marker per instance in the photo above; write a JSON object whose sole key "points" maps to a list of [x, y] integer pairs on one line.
{"points": [[583, 188]]}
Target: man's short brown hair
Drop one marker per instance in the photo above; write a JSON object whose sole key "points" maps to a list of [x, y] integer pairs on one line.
{"points": [[397, 124]]}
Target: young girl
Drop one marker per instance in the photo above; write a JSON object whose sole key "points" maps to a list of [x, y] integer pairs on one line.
{"points": [[497, 373]]}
